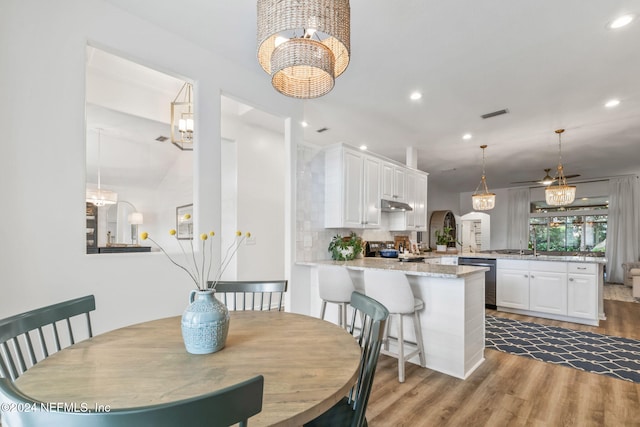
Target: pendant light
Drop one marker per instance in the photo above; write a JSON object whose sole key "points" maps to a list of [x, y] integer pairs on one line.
{"points": [[100, 197], [182, 125], [482, 199], [303, 44], [560, 194]]}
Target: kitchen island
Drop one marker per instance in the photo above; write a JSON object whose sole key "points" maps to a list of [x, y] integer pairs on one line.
{"points": [[559, 287], [452, 320]]}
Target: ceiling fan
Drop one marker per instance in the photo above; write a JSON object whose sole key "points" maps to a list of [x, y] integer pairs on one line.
{"points": [[547, 180]]}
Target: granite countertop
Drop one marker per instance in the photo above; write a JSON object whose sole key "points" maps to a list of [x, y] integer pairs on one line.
{"points": [[498, 255], [410, 268]]}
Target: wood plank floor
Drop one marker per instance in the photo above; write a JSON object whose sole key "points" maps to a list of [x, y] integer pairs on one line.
{"points": [[508, 390]]}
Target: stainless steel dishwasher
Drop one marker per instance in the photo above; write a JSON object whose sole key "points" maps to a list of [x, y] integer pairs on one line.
{"points": [[489, 277]]}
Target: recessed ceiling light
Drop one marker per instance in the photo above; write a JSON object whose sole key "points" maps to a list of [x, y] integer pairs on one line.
{"points": [[415, 96], [621, 21], [304, 124], [466, 136], [363, 147], [612, 103]]}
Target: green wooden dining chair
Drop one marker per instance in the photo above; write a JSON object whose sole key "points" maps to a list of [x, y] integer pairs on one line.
{"points": [[351, 410], [252, 294], [222, 408], [17, 333]]}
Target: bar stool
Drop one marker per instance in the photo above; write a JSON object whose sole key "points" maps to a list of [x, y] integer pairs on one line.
{"points": [[392, 289], [336, 287]]}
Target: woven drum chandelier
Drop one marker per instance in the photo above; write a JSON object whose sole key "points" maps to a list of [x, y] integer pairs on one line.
{"points": [[303, 44], [561, 194]]}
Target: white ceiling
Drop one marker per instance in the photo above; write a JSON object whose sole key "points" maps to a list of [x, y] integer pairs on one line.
{"points": [[552, 64]]}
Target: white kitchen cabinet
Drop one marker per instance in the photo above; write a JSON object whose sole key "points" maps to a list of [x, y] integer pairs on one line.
{"points": [[352, 189], [512, 288], [557, 290], [416, 197], [548, 292], [420, 207], [582, 291], [393, 182]]}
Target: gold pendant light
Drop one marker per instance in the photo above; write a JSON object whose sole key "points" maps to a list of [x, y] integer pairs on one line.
{"points": [[560, 194], [482, 199], [303, 44], [182, 124]]}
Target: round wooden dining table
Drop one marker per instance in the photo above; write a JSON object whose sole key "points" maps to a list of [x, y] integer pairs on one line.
{"points": [[308, 365]]}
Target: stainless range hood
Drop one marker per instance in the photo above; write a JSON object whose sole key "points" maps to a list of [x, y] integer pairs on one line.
{"points": [[394, 206]]}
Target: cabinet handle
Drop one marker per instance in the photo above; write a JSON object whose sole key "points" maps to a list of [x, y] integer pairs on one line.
{"points": [[582, 268], [571, 279], [526, 275], [532, 276]]}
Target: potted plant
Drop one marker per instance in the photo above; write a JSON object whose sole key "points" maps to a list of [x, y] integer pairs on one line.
{"points": [[345, 248], [443, 238]]}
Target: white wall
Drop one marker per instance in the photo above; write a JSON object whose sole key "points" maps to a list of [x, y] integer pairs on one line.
{"points": [[42, 167], [260, 202]]}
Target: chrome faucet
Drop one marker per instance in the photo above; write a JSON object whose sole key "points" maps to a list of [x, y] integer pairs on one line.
{"points": [[532, 234]]}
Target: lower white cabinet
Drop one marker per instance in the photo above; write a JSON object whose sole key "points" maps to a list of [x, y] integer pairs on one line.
{"points": [[512, 288], [582, 291], [561, 289], [548, 292]]}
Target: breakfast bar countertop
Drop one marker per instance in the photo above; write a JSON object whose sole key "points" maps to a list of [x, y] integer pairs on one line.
{"points": [[410, 268]]}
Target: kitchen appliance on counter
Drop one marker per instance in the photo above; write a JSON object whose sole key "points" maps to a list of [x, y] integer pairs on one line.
{"points": [[372, 249], [489, 277]]}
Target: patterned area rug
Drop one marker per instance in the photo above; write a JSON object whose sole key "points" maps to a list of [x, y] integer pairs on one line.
{"points": [[587, 351]]}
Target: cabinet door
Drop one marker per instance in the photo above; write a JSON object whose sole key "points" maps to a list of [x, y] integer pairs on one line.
{"points": [[386, 186], [353, 189], [548, 292], [410, 199], [420, 205], [582, 292], [371, 192], [512, 289], [399, 189]]}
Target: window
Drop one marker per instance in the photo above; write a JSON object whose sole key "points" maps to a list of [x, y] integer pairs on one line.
{"points": [[579, 227]]}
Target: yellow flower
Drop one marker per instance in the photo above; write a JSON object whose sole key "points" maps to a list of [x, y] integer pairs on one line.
{"points": [[238, 233], [212, 233], [248, 234], [187, 217], [172, 232], [203, 236], [144, 235]]}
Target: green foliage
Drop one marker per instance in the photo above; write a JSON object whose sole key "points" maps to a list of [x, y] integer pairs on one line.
{"points": [[445, 237], [345, 248]]}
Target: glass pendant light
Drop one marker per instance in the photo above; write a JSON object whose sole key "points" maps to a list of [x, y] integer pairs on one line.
{"points": [[560, 194], [482, 199]]}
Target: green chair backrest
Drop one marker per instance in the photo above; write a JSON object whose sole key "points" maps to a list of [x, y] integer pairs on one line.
{"points": [[373, 320], [222, 408], [18, 331]]}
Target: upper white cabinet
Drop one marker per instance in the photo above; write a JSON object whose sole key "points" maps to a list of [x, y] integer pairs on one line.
{"points": [[393, 182], [352, 189], [356, 181], [416, 197]]}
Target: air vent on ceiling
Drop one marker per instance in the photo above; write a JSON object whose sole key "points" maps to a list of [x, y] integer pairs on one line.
{"points": [[322, 130], [161, 138], [495, 113]]}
